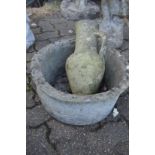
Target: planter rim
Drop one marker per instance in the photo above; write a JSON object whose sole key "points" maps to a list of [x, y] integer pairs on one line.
{"points": [[45, 87]]}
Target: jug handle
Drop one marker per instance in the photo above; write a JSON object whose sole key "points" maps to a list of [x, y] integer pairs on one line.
{"points": [[102, 51]]}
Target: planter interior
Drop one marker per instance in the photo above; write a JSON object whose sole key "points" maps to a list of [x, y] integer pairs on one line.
{"points": [[53, 68]]}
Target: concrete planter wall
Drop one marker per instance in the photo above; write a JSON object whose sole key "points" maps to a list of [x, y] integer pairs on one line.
{"points": [[70, 108]]}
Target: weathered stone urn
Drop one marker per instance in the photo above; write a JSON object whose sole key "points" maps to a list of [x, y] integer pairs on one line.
{"points": [[79, 9], [86, 66], [73, 109]]}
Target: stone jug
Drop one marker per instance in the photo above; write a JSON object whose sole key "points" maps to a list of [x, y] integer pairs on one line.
{"points": [[86, 66]]}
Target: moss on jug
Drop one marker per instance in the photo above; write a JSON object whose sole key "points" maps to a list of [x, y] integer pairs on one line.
{"points": [[86, 66]]}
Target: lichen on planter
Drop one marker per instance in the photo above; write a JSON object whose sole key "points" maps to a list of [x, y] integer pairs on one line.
{"points": [[86, 66], [47, 64], [79, 9]]}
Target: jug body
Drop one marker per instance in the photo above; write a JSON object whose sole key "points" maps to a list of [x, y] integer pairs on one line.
{"points": [[85, 67]]}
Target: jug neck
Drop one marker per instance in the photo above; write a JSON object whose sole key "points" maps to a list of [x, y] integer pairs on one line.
{"points": [[85, 38]]}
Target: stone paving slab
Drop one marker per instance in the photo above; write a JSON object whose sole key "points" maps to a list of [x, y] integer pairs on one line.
{"points": [[121, 148], [29, 99], [72, 140], [36, 99], [54, 20], [28, 71], [30, 50], [36, 30], [46, 26], [125, 46], [29, 56], [36, 142], [52, 40], [36, 116], [125, 53], [126, 32], [123, 106], [41, 44], [46, 35], [67, 31]]}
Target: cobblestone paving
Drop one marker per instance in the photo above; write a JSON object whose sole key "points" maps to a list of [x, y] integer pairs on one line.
{"points": [[45, 135]]}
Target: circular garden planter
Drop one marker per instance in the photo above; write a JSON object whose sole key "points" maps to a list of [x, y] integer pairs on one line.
{"points": [[73, 109]]}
